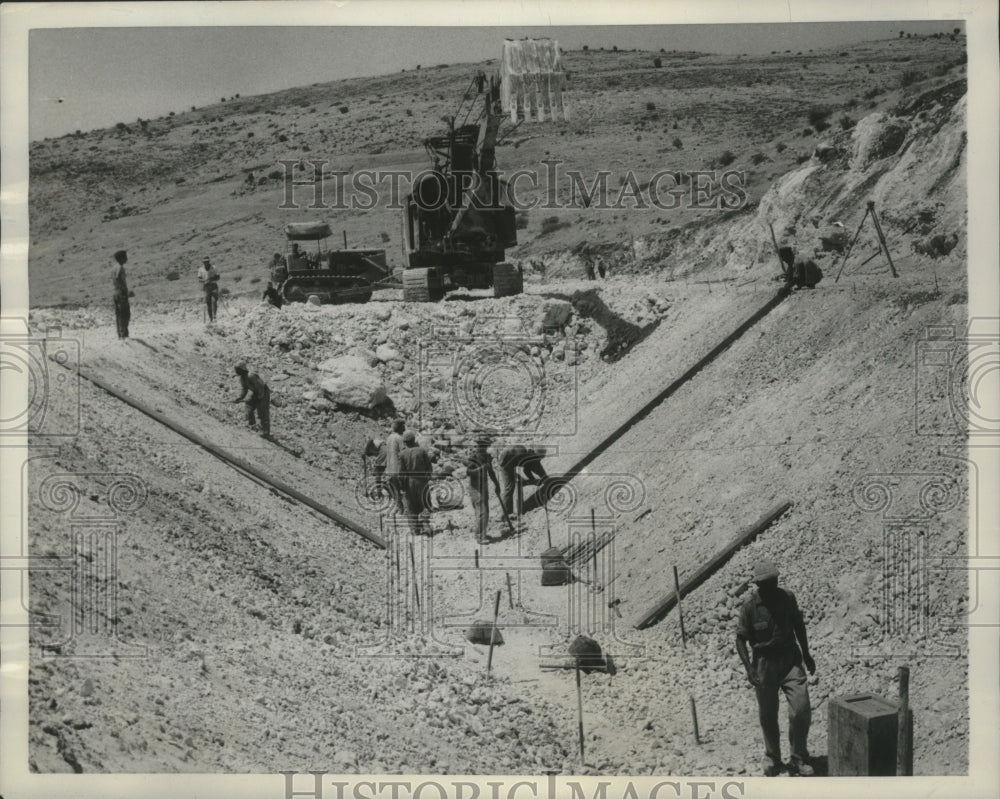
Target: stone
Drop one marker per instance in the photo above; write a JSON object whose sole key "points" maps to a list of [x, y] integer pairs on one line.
{"points": [[386, 353], [314, 299], [352, 382]]}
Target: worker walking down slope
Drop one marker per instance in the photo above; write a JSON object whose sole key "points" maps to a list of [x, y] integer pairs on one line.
{"points": [[259, 401], [415, 471], [479, 467], [123, 312], [770, 622], [210, 284]]}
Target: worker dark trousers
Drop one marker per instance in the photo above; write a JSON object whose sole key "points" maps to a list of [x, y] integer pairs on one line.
{"points": [[415, 503], [123, 313], [784, 672], [397, 487], [481, 508], [211, 303], [534, 470], [508, 481], [263, 411]]}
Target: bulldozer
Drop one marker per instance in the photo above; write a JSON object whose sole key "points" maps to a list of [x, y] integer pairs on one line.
{"points": [[333, 276], [457, 220]]}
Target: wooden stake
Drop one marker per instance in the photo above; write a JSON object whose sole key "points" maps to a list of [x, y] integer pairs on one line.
{"points": [[477, 558], [413, 567], [904, 734], [520, 498], [579, 709], [694, 719], [493, 632], [510, 592], [680, 615]]}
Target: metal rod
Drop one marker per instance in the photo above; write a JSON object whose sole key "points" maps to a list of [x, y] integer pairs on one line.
{"points": [[413, 567], [680, 614], [904, 736], [694, 719], [548, 531], [579, 709], [493, 632]]}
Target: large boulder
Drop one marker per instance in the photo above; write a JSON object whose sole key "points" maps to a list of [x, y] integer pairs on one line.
{"points": [[553, 315], [352, 382], [386, 353]]}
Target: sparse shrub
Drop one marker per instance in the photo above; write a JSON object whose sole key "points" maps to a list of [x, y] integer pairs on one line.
{"points": [[872, 93], [173, 276], [614, 48], [802, 158], [275, 174], [255, 280], [344, 109], [818, 116], [409, 112], [758, 158], [781, 147], [807, 132], [846, 123], [726, 158], [657, 62], [249, 134], [678, 144], [282, 137], [650, 106], [551, 224], [585, 48], [909, 77]]}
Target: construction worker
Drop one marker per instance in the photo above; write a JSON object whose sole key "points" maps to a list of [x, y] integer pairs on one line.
{"points": [[272, 295], [375, 449], [770, 623], [509, 459], [531, 466], [279, 269], [297, 260], [479, 467], [210, 283], [123, 312], [415, 471], [259, 401], [394, 446], [797, 273]]}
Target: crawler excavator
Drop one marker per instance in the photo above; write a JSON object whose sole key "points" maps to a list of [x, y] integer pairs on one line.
{"points": [[458, 220]]}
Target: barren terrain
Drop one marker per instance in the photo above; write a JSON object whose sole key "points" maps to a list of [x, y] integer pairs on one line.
{"points": [[275, 639]]}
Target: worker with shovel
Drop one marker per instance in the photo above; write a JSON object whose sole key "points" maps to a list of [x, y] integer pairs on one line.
{"points": [[770, 622], [259, 401]]}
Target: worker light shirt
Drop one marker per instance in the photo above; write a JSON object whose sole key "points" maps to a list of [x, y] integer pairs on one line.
{"points": [[770, 629], [393, 446]]}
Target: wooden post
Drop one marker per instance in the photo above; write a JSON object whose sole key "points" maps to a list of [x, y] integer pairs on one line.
{"points": [[413, 567], [680, 615], [520, 498], [548, 531], [510, 592], [881, 238], [477, 558], [579, 709], [904, 742], [493, 632], [694, 719], [345, 238]]}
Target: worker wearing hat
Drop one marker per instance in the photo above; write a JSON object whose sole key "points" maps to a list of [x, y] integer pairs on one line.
{"points": [[772, 625], [210, 283], [123, 312], [259, 402]]}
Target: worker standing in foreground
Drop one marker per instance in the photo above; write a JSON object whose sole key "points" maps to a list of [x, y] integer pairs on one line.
{"points": [[415, 472], [479, 467], [770, 622], [210, 283], [259, 401], [393, 446], [123, 312]]}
